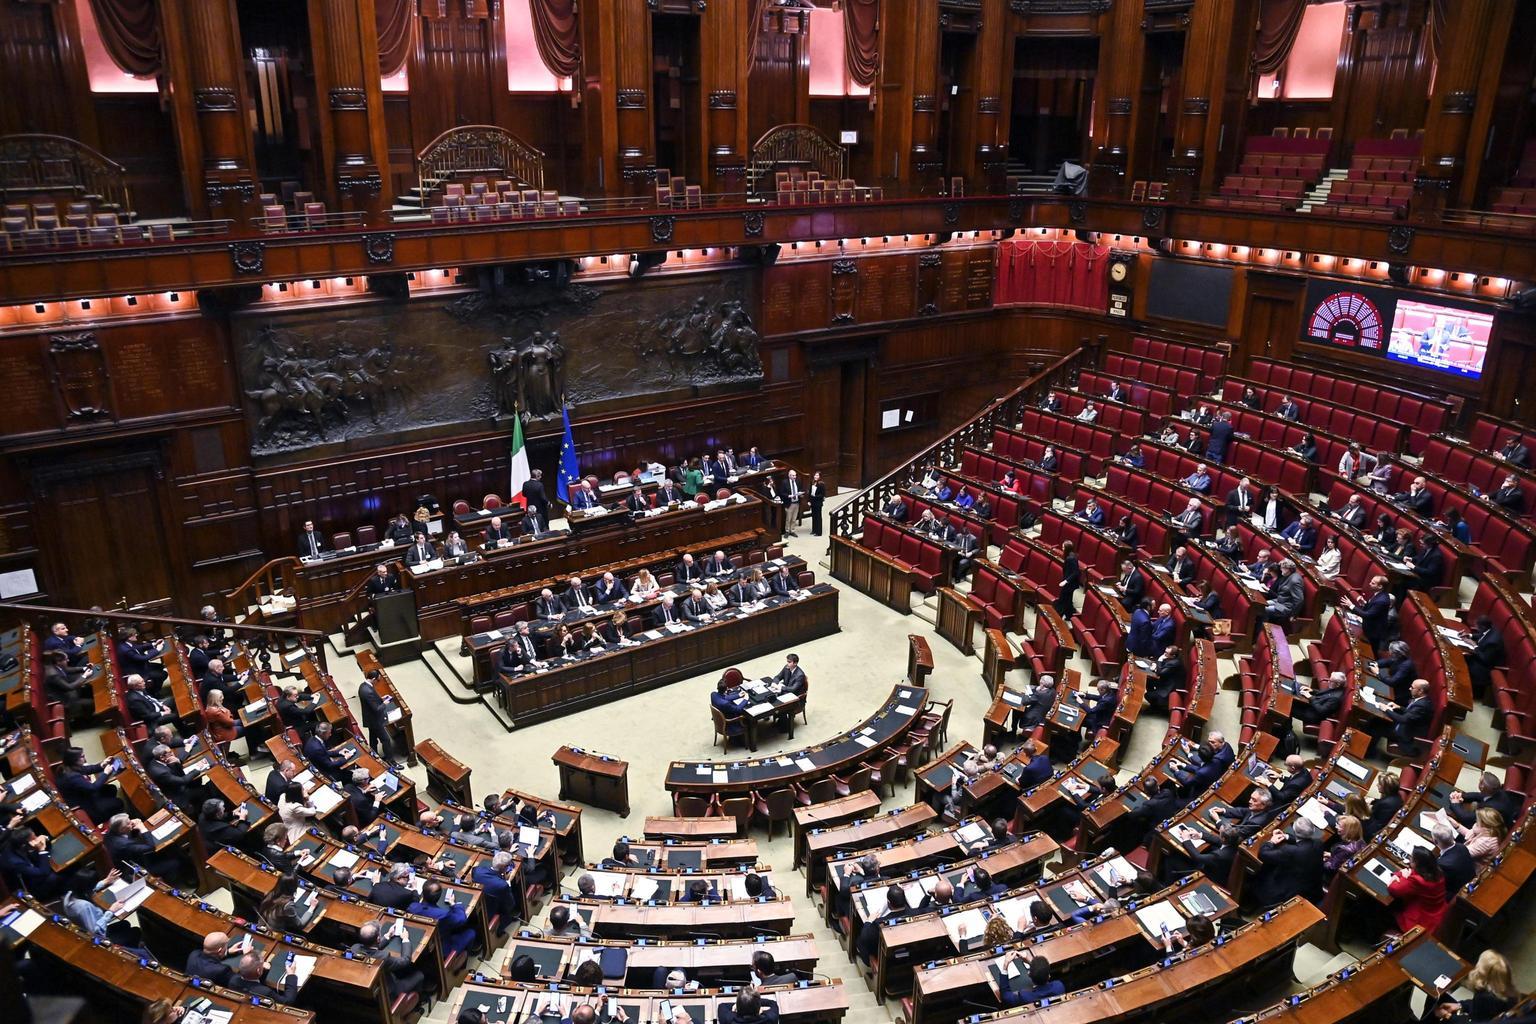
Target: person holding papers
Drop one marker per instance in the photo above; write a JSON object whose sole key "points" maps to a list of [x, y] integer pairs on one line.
{"points": [[749, 1008], [896, 906], [457, 931], [1030, 980]]}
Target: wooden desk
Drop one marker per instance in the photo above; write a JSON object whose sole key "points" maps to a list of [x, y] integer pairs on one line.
{"points": [[620, 671], [957, 620], [711, 962], [322, 587], [593, 778], [881, 730], [690, 828], [872, 573], [821, 844], [919, 660], [684, 920], [828, 814], [447, 776]]}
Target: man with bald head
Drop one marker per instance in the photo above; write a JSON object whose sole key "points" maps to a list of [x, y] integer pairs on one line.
{"points": [[610, 589], [943, 895], [1295, 781], [208, 962], [249, 979], [389, 946]]}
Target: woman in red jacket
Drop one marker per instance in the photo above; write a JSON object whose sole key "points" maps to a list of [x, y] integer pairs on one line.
{"points": [[1420, 892], [221, 724]]}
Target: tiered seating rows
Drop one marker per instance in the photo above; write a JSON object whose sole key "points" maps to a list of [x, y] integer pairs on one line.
{"points": [[1425, 415]]}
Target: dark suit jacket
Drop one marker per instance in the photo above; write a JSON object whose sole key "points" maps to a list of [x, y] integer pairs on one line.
{"points": [[311, 544], [549, 607], [1382, 810], [289, 993], [714, 567], [201, 965], [533, 493], [387, 585], [1219, 440], [1162, 633], [1374, 616], [319, 755], [767, 1013], [1458, 867], [684, 573], [793, 679], [386, 893], [1135, 588], [572, 598], [1139, 639], [1291, 868], [141, 708], [1510, 498], [604, 593], [172, 781], [493, 534], [1290, 787]]}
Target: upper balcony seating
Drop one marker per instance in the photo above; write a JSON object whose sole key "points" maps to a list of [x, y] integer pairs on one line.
{"points": [[1424, 414], [1379, 182], [1490, 434], [1513, 200], [1205, 358], [1275, 171]]}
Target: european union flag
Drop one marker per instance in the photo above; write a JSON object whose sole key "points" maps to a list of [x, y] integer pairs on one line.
{"points": [[570, 470]]}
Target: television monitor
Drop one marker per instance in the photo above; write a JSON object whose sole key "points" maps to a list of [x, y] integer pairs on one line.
{"points": [[1439, 337]]}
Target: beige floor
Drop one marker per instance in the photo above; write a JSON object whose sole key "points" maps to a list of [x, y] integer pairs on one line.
{"points": [[849, 673]]}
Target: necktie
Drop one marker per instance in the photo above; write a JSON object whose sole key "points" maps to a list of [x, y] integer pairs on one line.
{"points": [[581, 599], [314, 549]]}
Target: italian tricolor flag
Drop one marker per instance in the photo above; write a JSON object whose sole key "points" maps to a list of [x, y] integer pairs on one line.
{"points": [[520, 474]]}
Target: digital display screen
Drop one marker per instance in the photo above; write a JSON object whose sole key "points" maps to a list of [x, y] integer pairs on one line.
{"points": [[1440, 337], [1433, 335]]}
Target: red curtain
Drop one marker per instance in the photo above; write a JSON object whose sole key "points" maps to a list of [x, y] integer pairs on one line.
{"points": [[130, 30], [1051, 273], [392, 20], [861, 42], [1279, 21], [555, 33]]}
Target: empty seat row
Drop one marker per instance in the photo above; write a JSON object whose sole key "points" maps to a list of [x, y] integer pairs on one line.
{"points": [[1392, 195], [916, 554], [1174, 466], [1491, 434], [1382, 168], [1181, 380], [1288, 190], [1374, 429], [1155, 400], [1423, 413], [1513, 200], [1278, 432], [1205, 358]]}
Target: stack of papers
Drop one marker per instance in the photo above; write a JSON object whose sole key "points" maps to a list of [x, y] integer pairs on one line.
{"points": [[966, 926], [1160, 915]]}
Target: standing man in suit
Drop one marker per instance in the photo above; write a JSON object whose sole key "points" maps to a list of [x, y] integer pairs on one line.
{"points": [[383, 581], [1132, 584], [534, 497], [310, 541], [376, 716], [1138, 637], [1220, 439], [1163, 627], [1239, 502], [817, 494], [792, 496], [1376, 613]]}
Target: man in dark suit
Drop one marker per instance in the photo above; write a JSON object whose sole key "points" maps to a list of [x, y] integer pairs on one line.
{"points": [[421, 550], [496, 532], [666, 613], [310, 541], [966, 547], [1220, 439], [1100, 713], [1190, 521], [218, 677], [730, 702], [694, 608], [248, 979], [1294, 782], [1208, 763], [1490, 793], [318, 753], [816, 495], [783, 583], [749, 1008], [1397, 670], [1410, 723], [1288, 409], [495, 880], [791, 677], [1051, 402], [72, 647], [1515, 452], [1289, 595], [1509, 496], [278, 779], [1169, 676], [1456, 862], [1163, 628], [1159, 802], [142, 707], [401, 976], [376, 715], [97, 797], [362, 798], [1251, 819], [393, 891], [1290, 866], [167, 773], [687, 570], [636, 501], [577, 596], [610, 589], [547, 605], [1354, 513], [1417, 498], [135, 657], [534, 496], [383, 581], [208, 962], [1239, 502], [1302, 533], [717, 565], [1132, 585], [1138, 637], [1376, 613], [895, 509], [1180, 566], [1037, 765], [1486, 655], [520, 652], [1325, 701], [1429, 563]]}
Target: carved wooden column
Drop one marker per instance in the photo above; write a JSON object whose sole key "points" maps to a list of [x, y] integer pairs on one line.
{"points": [[1122, 48], [630, 166], [352, 139], [723, 34], [212, 110], [1206, 52], [906, 100], [1466, 78], [980, 125]]}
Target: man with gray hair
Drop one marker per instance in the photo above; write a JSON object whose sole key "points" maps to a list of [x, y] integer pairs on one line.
{"points": [[502, 899], [395, 890], [173, 781], [865, 869], [248, 979], [360, 795], [1290, 866], [1456, 862], [1322, 704], [473, 830]]}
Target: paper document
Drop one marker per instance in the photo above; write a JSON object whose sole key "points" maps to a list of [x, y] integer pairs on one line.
{"points": [[165, 829], [805, 764], [643, 888], [1154, 917], [343, 859], [966, 926], [325, 799]]}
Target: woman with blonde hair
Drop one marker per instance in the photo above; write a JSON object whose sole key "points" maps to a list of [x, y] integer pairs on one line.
{"points": [[998, 933], [645, 586], [1349, 838], [1493, 989], [1484, 838]]}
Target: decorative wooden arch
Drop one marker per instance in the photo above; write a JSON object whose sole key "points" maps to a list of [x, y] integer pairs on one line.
{"points": [[479, 150], [793, 145]]}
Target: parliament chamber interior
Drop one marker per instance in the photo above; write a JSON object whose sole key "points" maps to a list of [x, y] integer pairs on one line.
{"points": [[444, 442]]}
